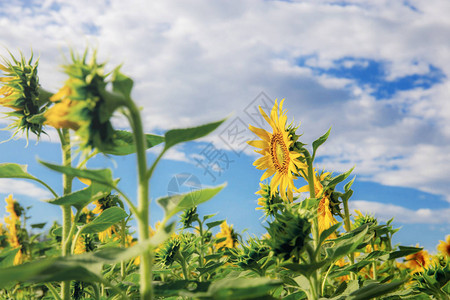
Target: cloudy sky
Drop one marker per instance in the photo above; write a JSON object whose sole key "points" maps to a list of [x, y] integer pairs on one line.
{"points": [[375, 71]]}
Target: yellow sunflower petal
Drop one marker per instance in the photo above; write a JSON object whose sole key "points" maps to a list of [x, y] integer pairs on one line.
{"points": [[259, 144], [260, 132]]}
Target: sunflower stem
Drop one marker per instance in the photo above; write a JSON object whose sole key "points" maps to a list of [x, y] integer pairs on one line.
{"points": [[315, 284], [347, 225], [143, 200], [64, 136]]}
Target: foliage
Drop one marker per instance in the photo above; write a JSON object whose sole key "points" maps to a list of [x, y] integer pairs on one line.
{"points": [[313, 248]]}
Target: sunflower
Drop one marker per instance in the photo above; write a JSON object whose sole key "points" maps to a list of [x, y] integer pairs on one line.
{"points": [[100, 206], [267, 202], [13, 222], [417, 262], [228, 233], [444, 246], [324, 216], [277, 158], [20, 91], [80, 246], [84, 105]]}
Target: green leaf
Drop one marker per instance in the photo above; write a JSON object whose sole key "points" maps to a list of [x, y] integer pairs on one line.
{"points": [[338, 179], [347, 243], [176, 203], [10, 170], [176, 136], [38, 225], [80, 199], [349, 184], [242, 288], [124, 143], [7, 257], [46, 270], [305, 269], [316, 144], [403, 251], [375, 290], [107, 218], [102, 176], [209, 267], [327, 232], [85, 267], [206, 217], [214, 224], [121, 83], [173, 288]]}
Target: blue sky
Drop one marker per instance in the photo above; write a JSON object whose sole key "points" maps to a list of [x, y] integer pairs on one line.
{"points": [[375, 71]]}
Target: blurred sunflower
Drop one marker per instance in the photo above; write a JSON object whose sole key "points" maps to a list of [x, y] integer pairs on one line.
{"points": [[230, 236], [13, 224], [101, 205], [80, 246], [20, 91], [278, 160], [324, 213], [84, 105], [418, 261], [444, 246]]}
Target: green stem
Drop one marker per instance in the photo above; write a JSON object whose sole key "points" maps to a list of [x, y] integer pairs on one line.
{"points": [[347, 225], [182, 262], [67, 211], [133, 208], [72, 231], [143, 200], [122, 263], [315, 284], [202, 243], [374, 264], [53, 291], [47, 186], [325, 278]]}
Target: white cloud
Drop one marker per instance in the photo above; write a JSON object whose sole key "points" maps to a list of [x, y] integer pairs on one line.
{"points": [[26, 188], [385, 212], [195, 63]]}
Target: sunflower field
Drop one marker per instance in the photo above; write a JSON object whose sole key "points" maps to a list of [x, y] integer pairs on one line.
{"points": [[314, 246]]}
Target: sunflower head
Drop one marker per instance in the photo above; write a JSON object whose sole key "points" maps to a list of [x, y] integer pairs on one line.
{"points": [[188, 217], [169, 251], [432, 280], [444, 246], [289, 232], [80, 246], [86, 216], [105, 203], [279, 158], [20, 91], [13, 207], [251, 254], [417, 262], [361, 219], [268, 202], [84, 105], [227, 233], [3, 237]]}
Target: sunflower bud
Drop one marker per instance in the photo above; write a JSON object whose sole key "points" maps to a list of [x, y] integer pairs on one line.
{"points": [[269, 202], [188, 217], [251, 255], [21, 92], [361, 219], [168, 253], [84, 105], [289, 232]]}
